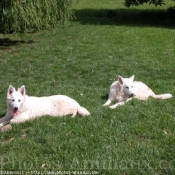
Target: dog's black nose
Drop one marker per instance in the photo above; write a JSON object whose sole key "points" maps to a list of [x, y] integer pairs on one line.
{"points": [[131, 95], [15, 108]]}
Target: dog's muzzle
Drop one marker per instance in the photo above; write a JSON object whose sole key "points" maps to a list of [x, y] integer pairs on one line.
{"points": [[131, 95], [15, 111], [15, 108]]}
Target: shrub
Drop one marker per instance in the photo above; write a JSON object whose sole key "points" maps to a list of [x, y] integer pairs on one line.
{"points": [[27, 15]]}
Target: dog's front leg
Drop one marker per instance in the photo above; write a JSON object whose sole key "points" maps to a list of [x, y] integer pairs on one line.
{"points": [[107, 103], [117, 104], [20, 118], [4, 123], [5, 120], [120, 103], [17, 120]]}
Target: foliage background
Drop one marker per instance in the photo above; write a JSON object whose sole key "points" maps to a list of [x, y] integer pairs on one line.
{"points": [[33, 15]]}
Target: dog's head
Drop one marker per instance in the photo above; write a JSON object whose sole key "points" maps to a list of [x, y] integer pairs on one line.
{"points": [[15, 98], [127, 85]]}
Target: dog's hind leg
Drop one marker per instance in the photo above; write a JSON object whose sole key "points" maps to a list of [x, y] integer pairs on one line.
{"points": [[74, 113]]}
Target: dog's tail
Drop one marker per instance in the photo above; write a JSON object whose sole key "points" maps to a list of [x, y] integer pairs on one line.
{"points": [[162, 96], [83, 111]]}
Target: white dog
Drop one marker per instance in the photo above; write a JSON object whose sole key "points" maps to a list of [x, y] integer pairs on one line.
{"points": [[21, 107], [125, 89]]}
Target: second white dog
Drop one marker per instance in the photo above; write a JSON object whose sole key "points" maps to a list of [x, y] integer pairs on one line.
{"points": [[21, 107], [125, 89]]}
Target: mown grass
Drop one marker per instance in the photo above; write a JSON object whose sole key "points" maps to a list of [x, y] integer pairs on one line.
{"points": [[81, 60]]}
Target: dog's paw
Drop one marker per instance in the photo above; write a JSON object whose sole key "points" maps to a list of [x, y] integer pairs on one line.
{"points": [[112, 107], [107, 103], [6, 128]]}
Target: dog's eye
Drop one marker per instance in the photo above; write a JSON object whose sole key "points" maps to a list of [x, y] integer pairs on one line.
{"points": [[127, 87], [19, 100], [13, 100]]}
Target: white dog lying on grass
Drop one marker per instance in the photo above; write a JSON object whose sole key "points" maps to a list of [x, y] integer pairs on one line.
{"points": [[125, 89], [21, 107]]}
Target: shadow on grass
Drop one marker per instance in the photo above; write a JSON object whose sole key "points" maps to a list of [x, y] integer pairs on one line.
{"points": [[2, 115], [104, 97], [6, 43], [128, 17]]}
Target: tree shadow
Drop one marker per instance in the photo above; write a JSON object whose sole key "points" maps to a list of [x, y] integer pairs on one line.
{"points": [[128, 17], [5, 43]]}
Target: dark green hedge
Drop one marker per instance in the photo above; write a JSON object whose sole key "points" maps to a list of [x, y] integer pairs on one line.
{"points": [[33, 15]]}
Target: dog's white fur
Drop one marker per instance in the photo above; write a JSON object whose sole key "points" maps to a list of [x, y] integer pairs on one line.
{"points": [[125, 89], [21, 107]]}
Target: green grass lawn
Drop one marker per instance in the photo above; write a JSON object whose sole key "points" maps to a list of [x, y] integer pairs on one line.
{"points": [[81, 60]]}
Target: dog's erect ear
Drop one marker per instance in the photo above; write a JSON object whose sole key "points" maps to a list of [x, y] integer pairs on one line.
{"points": [[10, 90], [23, 90], [120, 80], [132, 77]]}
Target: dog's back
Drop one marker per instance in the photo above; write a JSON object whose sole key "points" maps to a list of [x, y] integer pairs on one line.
{"points": [[143, 92], [56, 105]]}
